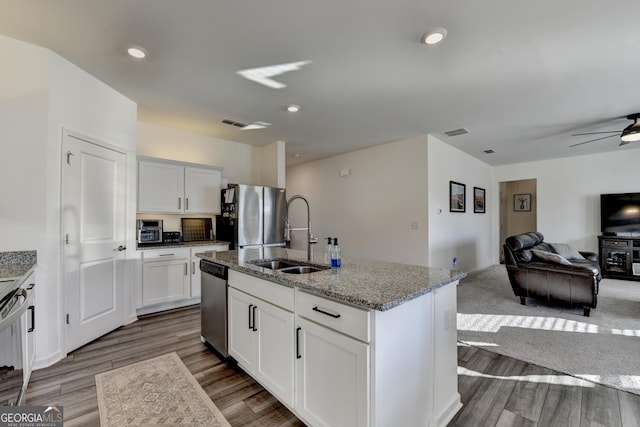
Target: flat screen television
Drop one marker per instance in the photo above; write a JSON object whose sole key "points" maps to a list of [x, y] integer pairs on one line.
{"points": [[620, 214]]}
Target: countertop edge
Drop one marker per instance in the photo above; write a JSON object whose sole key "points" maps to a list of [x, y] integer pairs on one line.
{"points": [[351, 299]]}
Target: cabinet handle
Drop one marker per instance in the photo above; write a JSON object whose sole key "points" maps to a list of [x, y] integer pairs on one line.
{"points": [[166, 255], [33, 318], [193, 267], [186, 203], [186, 268], [254, 318], [335, 316], [179, 203], [250, 326], [298, 355]]}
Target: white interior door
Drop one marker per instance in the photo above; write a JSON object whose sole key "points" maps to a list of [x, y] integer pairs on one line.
{"points": [[93, 211]]}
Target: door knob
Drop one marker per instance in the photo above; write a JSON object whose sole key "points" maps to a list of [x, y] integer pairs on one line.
{"points": [[121, 248]]}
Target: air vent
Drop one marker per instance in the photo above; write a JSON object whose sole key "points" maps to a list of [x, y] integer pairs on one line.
{"points": [[232, 123], [489, 151], [456, 132]]}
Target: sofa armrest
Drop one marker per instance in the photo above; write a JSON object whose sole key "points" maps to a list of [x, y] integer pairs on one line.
{"points": [[577, 270], [591, 256]]}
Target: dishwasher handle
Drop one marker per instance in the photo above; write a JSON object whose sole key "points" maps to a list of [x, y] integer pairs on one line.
{"points": [[216, 270]]}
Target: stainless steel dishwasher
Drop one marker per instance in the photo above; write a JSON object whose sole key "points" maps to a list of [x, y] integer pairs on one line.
{"points": [[213, 306]]}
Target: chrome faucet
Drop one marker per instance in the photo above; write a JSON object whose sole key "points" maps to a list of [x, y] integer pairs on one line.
{"points": [[311, 240]]}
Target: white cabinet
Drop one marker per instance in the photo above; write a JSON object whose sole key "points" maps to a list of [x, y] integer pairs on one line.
{"points": [[261, 336], [160, 187], [29, 326], [332, 369], [201, 190], [165, 276], [174, 187], [194, 262]]}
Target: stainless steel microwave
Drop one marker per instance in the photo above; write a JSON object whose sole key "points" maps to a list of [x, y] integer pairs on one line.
{"points": [[149, 231]]}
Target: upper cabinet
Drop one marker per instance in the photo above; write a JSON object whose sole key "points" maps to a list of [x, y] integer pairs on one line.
{"points": [[174, 187]]}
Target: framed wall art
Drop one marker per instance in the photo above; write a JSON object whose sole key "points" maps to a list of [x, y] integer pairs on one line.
{"points": [[522, 202], [479, 199], [457, 196]]}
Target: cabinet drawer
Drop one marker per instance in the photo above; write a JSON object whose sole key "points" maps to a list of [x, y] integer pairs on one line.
{"points": [[343, 318], [279, 295], [617, 243], [209, 248], [165, 254]]}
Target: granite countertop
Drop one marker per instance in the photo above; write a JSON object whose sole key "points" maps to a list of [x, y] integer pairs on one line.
{"points": [[147, 246], [14, 267], [370, 284]]}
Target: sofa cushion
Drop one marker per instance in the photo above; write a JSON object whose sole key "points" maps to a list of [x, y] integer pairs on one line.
{"points": [[550, 257], [566, 251]]}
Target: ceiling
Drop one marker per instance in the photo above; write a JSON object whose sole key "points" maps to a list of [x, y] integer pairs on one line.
{"points": [[521, 77]]}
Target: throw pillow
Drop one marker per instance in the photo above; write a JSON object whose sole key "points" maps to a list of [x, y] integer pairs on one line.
{"points": [[566, 251], [551, 257]]}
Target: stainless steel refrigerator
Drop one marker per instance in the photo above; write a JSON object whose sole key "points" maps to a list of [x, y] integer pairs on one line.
{"points": [[252, 216]]}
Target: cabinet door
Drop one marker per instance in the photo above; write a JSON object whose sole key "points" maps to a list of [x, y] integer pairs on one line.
{"points": [[275, 350], [196, 278], [202, 190], [243, 345], [160, 187], [165, 281], [332, 377]]}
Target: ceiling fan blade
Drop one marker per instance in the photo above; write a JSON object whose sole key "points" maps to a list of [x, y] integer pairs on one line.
{"points": [[593, 133], [592, 140]]}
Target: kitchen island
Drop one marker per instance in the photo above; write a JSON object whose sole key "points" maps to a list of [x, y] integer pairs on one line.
{"points": [[371, 343]]}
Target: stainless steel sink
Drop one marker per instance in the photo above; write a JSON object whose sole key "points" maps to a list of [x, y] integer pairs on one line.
{"points": [[289, 267], [301, 269], [274, 264]]}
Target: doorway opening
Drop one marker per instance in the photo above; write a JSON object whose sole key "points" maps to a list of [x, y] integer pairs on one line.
{"points": [[518, 210]]}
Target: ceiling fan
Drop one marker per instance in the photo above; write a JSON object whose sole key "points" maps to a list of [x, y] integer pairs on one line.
{"points": [[629, 134]]}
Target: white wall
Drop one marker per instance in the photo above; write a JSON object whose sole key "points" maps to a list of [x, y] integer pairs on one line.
{"points": [[371, 209], [568, 204], [466, 236], [273, 164], [242, 163], [40, 94]]}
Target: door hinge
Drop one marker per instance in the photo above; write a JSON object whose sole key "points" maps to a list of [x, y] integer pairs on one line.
{"points": [[69, 154], [67, 318]]}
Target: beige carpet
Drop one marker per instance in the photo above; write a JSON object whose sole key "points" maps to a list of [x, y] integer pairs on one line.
{"points": [[155, 392], [603, 348]]}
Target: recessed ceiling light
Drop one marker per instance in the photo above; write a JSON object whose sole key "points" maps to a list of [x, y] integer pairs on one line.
{"points": [[293, 108], [434, 36], [137, 52]]}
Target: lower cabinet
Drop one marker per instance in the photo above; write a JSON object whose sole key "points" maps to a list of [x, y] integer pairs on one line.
{"points": [[194, 262], [335, 364], [261, 341], [165, 276], [332, 377]]}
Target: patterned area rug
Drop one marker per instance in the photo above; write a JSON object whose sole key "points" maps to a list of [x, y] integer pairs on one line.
{"points": [[155, 392]]}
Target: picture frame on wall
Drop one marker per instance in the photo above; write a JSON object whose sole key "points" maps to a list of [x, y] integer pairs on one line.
{"points": [[479, 200], [522, 202], [457, 196]]}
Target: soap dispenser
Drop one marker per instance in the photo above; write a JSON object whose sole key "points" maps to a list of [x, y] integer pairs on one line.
{"points": [[335, 254], [327, 251]]}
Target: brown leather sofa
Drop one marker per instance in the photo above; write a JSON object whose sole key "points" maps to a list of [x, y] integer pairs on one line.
{"points": [[537, 270]]}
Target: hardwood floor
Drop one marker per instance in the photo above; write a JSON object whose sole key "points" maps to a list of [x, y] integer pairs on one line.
{"points": [[495, 390]]}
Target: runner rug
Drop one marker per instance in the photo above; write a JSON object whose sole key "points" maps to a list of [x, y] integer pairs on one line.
{"points": [[159, 392]]}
